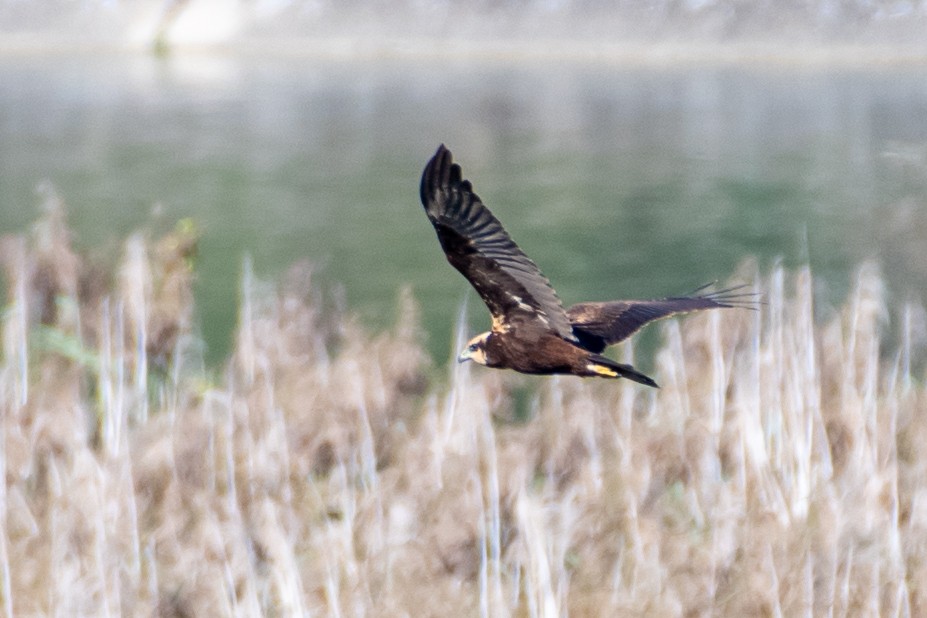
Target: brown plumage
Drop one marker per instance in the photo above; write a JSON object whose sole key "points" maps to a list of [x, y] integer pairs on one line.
{"points": [[531, 331]]}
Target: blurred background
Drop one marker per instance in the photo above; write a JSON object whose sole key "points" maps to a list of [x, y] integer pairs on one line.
{"points": [[632, 149]]}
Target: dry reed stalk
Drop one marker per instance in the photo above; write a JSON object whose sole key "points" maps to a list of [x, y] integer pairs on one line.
{"points": [[777, 472]]}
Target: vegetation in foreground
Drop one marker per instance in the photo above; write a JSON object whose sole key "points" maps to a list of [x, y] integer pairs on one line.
{"points": [[780, 469]]}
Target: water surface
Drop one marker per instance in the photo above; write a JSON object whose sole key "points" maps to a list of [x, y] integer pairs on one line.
{"points": [[619, 182]]}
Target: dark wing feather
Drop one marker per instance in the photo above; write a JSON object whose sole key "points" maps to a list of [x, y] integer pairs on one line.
{"points": [[475, 243], [598, 325]]}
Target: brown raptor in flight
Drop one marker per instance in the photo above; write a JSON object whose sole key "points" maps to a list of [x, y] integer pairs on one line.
{"points": [[531, 331]]}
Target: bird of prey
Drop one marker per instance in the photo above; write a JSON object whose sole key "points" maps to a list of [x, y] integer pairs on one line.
{"points": [[531, 331]]}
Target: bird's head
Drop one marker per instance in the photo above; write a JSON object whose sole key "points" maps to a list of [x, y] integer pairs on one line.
{"points": [[475, 350]]}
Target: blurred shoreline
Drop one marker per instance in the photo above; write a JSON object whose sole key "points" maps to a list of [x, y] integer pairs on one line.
{"points": [[850, 32], [661, 53]]}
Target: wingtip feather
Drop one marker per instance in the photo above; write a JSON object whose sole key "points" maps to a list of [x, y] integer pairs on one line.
{"points": [[440, 173], [433, 174], [730, 298]]}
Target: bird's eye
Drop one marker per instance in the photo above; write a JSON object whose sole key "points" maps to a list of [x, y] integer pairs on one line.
{"points": [[473, 347]]}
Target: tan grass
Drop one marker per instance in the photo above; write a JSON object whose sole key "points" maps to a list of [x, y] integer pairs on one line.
{"points": [[780, 470]]}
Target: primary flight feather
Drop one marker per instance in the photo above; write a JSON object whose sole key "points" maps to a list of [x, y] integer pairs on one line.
{"points": [[531, 331]]}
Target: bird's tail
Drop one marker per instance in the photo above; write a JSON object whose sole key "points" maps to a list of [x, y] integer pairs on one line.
{"points": [[608, 368]]}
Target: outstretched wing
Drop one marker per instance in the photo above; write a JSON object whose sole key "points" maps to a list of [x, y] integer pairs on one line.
{"points": [[598, 325], [476, 244]]}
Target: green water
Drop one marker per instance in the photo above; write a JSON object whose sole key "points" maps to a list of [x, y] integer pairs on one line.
{"points": [[619, 182]]}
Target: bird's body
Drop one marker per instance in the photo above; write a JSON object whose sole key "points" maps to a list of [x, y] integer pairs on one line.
{"points": [[548, 354], [531, 331]]}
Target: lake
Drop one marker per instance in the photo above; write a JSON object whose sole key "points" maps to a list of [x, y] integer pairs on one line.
{"points": [[619, 181]]}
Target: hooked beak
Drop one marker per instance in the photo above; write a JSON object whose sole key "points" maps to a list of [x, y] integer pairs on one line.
{"points": [[464, 356]]}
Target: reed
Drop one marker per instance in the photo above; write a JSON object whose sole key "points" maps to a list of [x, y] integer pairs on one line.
{"points": [[327, 470]]}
